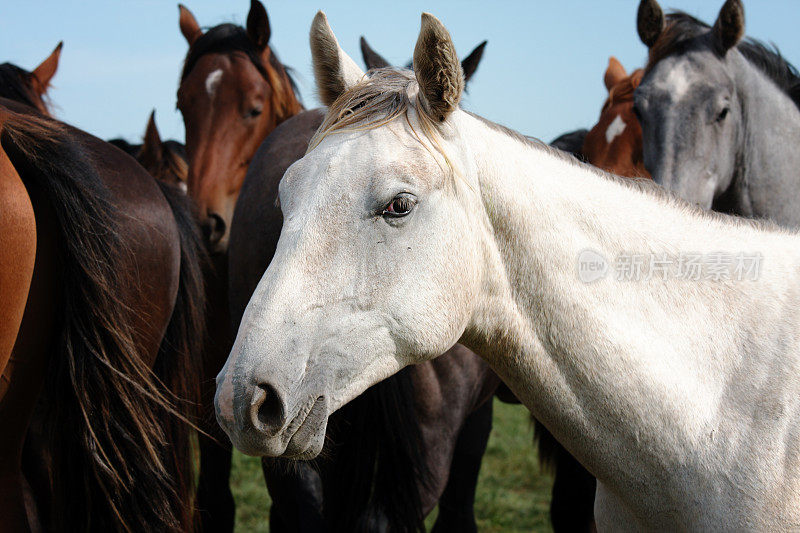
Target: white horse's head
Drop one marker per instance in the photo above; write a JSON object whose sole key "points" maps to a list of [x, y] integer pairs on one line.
{"points": [[375, 268]]}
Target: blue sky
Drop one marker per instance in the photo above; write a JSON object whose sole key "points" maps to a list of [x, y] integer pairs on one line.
{"points": [[541, 73]]}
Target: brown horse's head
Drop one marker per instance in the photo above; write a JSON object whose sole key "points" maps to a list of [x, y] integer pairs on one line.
{"points": [[233, 93], [30, 87], [164, 160], [615, 142]]}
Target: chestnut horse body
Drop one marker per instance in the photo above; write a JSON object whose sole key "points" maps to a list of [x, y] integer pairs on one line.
{"points": [[101, 313]]}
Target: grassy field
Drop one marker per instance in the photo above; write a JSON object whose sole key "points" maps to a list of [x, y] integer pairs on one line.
{"points": [[513, 495]]}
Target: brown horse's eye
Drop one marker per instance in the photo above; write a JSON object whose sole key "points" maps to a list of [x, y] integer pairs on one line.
{"points": [[256, 111], [400, 206]]}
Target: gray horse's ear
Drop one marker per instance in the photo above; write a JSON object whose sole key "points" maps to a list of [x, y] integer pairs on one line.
{"points": [[438, 71], [649, 21], [372, 59], [334, 71], [258, 25], [729, 27], [470, 63]]}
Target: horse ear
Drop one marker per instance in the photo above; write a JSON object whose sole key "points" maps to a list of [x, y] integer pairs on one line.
{"points": [[189, 27], [437, 69], [334, 71], [258, 25], [615, 73], [729, 27], [470, 63], [150, 154], [46, 70], [649, 21], [372, 59]]}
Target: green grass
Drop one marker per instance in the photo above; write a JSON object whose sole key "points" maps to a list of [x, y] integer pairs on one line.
{"points": [[513, 494]]}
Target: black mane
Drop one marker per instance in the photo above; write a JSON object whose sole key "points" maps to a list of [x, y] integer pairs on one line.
{"points": [[17, 84], [222, 39], [682, 29], [227, 38]]}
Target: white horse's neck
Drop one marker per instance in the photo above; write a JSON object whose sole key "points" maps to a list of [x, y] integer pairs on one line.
{"points": [[643, 381]]}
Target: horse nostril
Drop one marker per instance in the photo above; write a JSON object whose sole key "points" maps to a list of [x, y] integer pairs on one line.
{"points": [[213, 229], [270, 412]]}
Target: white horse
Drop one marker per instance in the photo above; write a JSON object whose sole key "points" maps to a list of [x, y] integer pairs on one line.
{"points": [[680, 393]]}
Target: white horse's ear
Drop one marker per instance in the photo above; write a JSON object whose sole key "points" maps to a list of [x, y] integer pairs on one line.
{"points": [[438, 71], [334, 70]]}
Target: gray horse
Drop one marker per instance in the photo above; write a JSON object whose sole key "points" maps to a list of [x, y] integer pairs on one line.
{"points": [[718, 114]]}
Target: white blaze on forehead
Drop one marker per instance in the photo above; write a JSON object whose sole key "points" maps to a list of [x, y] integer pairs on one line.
{"points": [[212, 81], [616, 127], [677, 80]]}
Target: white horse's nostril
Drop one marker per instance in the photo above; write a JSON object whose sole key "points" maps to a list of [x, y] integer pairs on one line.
{"points": [[268, 412]]}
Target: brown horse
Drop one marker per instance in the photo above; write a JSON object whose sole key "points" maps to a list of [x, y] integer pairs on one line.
{"points": [[410, 442], [615, 145], [164, 160], [233, 92], [615, 142], [100, 329]]}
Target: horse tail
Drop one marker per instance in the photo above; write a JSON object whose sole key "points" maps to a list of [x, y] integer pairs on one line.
{"points": [[379, 456], [103, 402], [178, 365]]}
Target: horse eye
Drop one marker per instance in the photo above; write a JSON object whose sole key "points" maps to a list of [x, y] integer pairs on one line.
{"points": [[256, 111], [400, 206], [723, 114]]}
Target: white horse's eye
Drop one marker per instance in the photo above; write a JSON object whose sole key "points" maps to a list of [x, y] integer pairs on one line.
{"points": [[400, 206]]}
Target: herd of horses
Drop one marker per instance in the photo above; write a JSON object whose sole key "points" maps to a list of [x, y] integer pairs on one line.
{"points": [[127, 271]]}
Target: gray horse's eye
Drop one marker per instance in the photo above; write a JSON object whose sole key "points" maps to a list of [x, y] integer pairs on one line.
{"points": [[723, 114], [400, 206]]}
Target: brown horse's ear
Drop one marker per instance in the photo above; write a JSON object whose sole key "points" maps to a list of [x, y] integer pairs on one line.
{"points": [[437, 69], [649, 21], [729, 27], [188, 24], [150, 154], [372, 59], [615, 73], [334, 71], [46, 70], [258, 25], [470, 63]]}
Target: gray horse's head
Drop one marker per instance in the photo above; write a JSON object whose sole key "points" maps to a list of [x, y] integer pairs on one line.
{"points": [[688, 103]]}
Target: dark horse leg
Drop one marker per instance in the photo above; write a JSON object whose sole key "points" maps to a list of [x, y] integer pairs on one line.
{"points": [[215, 502], [572, 503], [296, 491], [456, 505], [572, 506]]}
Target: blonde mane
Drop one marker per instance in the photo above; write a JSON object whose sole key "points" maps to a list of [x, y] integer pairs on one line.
{"points": [[386, 94]]}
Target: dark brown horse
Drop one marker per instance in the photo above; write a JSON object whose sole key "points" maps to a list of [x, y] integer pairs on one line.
{"points": [[101, 293], [410, 442], [164, 160], [233, 92]]}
